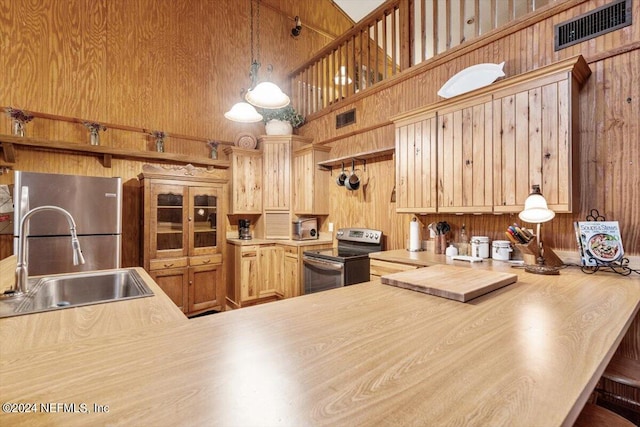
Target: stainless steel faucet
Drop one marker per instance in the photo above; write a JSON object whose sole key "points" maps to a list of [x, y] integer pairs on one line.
{"points": [[22, 272]]}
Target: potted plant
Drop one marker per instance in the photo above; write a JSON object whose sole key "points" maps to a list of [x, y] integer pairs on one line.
{"points": [[281, 121]]}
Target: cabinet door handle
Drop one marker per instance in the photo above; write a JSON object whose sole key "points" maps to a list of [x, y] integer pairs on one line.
{"points": [[168, 265], [206, 261]]}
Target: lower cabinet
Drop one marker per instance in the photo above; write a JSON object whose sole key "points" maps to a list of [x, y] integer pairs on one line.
{"points": [[256, 274], [265, 272], [174, 282], [194, 288], [291, 272]]}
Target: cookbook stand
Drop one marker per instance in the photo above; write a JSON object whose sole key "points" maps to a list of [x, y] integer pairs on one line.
{"points": [[620, 266]]}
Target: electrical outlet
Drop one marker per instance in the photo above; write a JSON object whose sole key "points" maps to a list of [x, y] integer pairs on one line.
{"points": [[330, 226]]}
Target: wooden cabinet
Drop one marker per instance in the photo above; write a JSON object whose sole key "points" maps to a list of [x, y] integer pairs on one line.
{"points": [[311, 183], [246, 181], [255, 274], [534, 143], [294, 268], [416, 142], [270, 267], [184, 223], [291, 272], [491, 145], [265, 272], [465, 168], [174, 283], [276, 152]]}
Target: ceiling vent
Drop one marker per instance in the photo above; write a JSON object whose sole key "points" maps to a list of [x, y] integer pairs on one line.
{"points": [[592, 24], [346, 118]]}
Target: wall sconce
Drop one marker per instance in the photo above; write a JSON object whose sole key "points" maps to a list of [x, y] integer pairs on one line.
{"points": [[295, 32], [536, 212]]}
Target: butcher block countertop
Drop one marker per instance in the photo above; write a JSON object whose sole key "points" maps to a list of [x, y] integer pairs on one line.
{"points": [[528, 354]]}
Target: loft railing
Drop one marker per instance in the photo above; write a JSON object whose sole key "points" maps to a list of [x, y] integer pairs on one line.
{"points": [[394, 37]]}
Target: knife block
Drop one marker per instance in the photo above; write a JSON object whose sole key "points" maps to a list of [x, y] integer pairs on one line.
{"points": [[530, 254]]}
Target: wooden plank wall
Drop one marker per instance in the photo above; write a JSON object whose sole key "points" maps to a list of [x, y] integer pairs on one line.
{"points": [[609, 128], [174, 66], [107, 61]]}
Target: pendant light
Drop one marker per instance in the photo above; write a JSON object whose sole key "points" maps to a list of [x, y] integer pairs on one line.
{"points": [[265, 94], [243, 112]]}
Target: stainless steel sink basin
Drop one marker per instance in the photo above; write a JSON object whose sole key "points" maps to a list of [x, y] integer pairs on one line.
{"points": [[77, 289]]}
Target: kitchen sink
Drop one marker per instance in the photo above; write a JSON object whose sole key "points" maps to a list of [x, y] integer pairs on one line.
{"points": [[77, 289]]}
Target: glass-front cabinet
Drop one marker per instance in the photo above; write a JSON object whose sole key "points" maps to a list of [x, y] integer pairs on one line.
{"points": [[203, 219], [186, 220], [183, 248], [168, 208]]}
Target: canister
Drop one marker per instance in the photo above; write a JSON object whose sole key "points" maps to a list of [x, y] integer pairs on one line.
{"points": [[480, 246], [501, 250]]}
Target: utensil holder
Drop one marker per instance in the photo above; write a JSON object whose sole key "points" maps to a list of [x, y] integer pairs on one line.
{"points": [[440, 244], [530, 254]]}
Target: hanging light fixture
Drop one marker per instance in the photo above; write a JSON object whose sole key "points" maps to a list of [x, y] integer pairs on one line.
{"points": [[341, 77], [265, 94], [243, 112]]}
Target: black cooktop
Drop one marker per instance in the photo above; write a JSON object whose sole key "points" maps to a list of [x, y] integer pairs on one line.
{"points": [[337, 254]]}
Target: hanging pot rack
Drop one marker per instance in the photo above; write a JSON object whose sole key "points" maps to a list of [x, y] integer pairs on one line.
{"points": [[358, 157]]}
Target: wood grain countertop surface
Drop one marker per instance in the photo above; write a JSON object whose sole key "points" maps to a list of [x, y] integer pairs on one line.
{"points": [[42, 330], [287, 242], [528, 354]]}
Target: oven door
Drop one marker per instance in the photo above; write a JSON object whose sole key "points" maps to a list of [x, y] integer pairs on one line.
{"points": [[321, 275]]}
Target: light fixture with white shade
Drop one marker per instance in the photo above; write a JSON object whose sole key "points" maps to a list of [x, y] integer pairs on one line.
{"points": [[341, 78], [264, 94], [243, 112], [536, 212]]}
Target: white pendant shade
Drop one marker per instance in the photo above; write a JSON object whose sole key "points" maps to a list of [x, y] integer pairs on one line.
{"points": [[341, 78], [243, 113], [536, 210], [267, 95]]}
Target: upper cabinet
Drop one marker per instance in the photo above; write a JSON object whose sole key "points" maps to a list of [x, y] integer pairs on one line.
{"points": [[246, 180], [310, 192], [488, 147], [465, 181], [416, 140], [277, 172], [534, 142]]}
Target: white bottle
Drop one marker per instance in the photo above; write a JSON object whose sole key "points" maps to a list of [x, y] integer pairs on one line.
{"points": [[451, 251]]}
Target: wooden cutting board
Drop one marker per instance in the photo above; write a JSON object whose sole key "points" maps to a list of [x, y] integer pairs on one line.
{"points": [[457, 283]]}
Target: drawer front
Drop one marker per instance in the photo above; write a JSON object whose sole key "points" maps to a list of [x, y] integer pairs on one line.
{"points": [[249, 251], [161, 264], [290, 250], [205, 260]]}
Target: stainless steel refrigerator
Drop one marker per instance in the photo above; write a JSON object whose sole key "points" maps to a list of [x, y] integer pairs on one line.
{"points": [[94, 203]]}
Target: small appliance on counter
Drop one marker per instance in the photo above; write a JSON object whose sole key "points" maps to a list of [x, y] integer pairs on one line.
{"points": [[244, 229], [305, 229]]}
